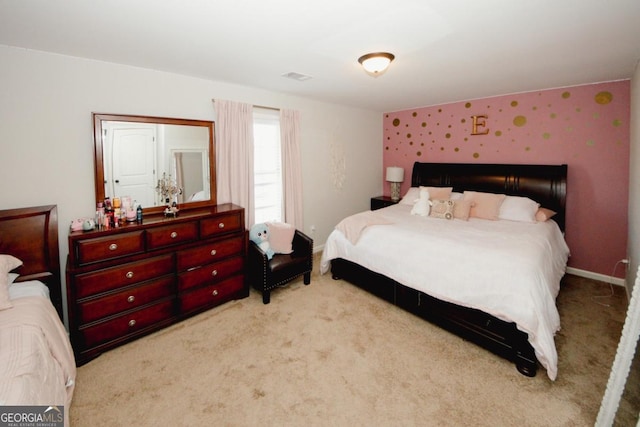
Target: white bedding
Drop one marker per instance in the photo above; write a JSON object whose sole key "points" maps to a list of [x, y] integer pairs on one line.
{"points": [[37, 366], [509, 269]]}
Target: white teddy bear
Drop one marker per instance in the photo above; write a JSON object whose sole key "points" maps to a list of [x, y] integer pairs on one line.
{"points": [[422, 206]]}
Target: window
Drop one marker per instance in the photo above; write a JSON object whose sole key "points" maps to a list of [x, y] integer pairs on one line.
{"points": [[267, 164]]}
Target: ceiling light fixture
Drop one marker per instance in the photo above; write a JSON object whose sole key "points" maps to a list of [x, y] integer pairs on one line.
{"points": [[376, 63]]}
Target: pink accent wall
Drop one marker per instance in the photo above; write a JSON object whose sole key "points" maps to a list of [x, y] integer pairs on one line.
{"points": [[586, 127]]}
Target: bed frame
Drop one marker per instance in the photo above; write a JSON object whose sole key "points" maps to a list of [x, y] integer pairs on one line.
{"points": [[547, 184], [31, 235]]}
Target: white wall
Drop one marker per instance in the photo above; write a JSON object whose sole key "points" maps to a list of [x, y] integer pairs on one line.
{"points": [[633, 251], [46, 139]]}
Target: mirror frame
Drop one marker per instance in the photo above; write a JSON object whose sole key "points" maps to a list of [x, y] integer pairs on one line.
{"points": [[99, 118]]}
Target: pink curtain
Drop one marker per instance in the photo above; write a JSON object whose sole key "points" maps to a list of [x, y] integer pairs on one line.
{"points": [[291, 167], [234, 155]]}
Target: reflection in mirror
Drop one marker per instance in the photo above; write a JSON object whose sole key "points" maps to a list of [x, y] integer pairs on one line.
{"points": [[133, 153]]}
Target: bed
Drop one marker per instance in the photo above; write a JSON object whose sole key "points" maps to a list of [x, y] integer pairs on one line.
{"points": [[492, 282], [37, 366]]}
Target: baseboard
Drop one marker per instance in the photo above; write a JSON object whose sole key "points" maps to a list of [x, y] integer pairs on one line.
{"points": [[596, 276]]}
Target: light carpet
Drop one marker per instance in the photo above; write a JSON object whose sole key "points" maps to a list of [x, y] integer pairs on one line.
{"points": [[330, 354]]}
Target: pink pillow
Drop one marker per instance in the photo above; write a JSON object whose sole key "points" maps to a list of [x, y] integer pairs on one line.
{"points": [[281, 237], [484, 205], [544, 214], [439, 193], [7, 263], [462, 209]]}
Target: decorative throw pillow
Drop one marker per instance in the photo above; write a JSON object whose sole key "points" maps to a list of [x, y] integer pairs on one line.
{"points": [[484, 205], [422, 205], [412, 195], [442, 209], [543, 214], [7, 263], [516, 208], [462, 209], [281, 237], [440, 193]]}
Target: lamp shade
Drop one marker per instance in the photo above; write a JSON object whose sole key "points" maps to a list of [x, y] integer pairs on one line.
{"points": [[395, 174]]}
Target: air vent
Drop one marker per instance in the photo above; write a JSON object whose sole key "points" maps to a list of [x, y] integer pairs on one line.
{"points": [[296, 76]]}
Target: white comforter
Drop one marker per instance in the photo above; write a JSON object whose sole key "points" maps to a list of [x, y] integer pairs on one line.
{"points": [[509, 269], [37, 366]]}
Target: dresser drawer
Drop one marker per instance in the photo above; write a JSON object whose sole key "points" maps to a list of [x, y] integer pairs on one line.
{"points": [[171, 234], [211, 295], [126, 324], [209, 253], [114, 246], [210, 273], [108, 279], [221, 224], [128, 299]]}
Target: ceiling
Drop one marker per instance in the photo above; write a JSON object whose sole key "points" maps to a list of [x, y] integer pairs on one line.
{"points": [[446, 50]]}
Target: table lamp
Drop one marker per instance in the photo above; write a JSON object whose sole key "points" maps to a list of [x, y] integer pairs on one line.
{"points": [[395, 175]]}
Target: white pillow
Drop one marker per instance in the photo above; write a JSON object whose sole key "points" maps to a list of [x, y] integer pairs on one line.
{"points": [[7, 263], [412, 195], [456, 196], [515, 208], [13, 277]]}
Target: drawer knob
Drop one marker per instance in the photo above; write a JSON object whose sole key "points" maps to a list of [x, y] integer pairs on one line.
{"points": [[131, 298], [215, 292], [213, 252], [174, 234], [113, 247], [221, 225], [214, 273], [129, 274], [132, 322]]}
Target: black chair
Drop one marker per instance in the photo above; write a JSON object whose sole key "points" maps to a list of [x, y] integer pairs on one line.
{"points": [[265, 274]]}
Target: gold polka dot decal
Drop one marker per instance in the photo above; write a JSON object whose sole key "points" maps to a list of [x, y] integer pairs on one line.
{"points": [[476, 155], [514, 103], [566, 95], [519, 121], [617, 122], [498, 133], [396, 122], [546, 135], [603, 98], [467, 105]]}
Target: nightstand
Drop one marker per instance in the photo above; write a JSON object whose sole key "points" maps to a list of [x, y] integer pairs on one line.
{"points": [[381, 202]]}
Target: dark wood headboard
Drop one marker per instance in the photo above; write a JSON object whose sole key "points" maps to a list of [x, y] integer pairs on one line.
{"points": [[31, 235], [546, 184]]}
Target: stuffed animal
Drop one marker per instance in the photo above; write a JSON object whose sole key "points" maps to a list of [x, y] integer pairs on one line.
{"points": [[259, 234], [422, 206]]}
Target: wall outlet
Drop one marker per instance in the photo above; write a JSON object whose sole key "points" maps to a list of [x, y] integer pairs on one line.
{"points": [[313, 229]]}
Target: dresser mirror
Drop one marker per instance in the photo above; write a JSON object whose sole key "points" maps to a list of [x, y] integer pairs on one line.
{"points": [[135, 154]]}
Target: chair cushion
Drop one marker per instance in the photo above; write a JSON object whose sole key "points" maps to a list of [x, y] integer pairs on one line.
{"points": [[282, 262]]}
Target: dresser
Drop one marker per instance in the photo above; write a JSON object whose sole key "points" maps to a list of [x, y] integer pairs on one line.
{"points": [[131, 280]]}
